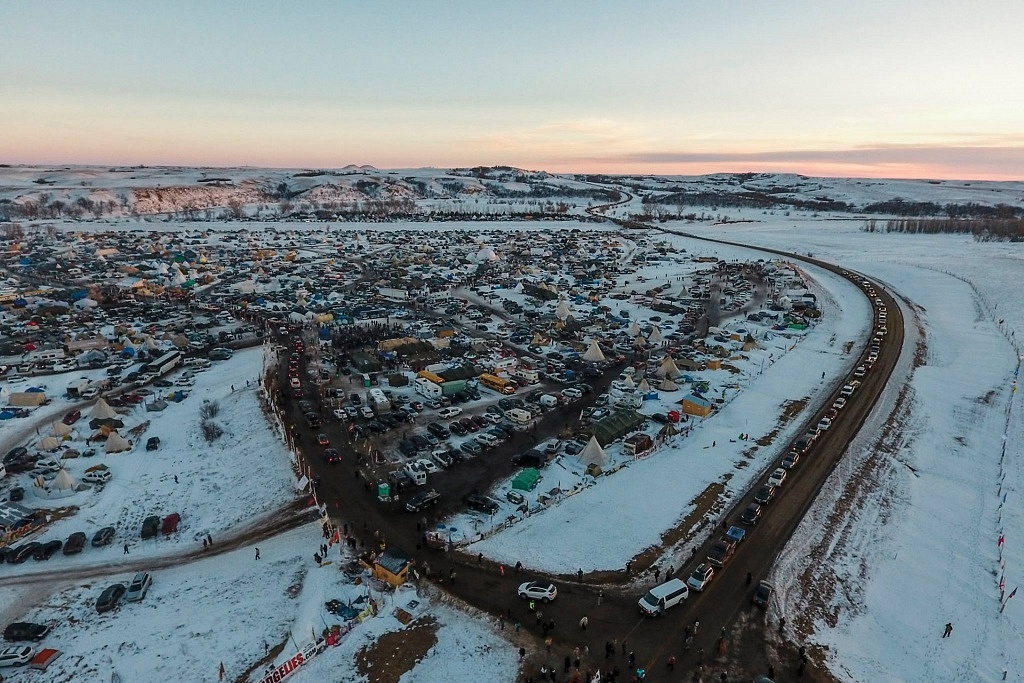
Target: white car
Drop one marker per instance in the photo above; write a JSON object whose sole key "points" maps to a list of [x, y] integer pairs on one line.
{"points": [[428, 465], [15, 379], [367, 412], [16, 656], [185, 381], [538, 590], [295, 383], [839, 404], [847, 390], [446, 413], [701, 576], [340, 413], [778, 476], [97, 477], [824, 424], [860, 371]]}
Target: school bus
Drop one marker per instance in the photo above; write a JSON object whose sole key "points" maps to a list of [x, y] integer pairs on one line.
{"points": [[425, 374], [502, 386]]}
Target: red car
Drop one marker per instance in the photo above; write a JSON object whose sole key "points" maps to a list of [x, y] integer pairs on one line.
{"points": [[170, 524], [72, 417], [134, 398]]}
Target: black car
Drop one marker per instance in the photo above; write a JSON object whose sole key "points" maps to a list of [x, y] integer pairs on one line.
{"points": [[457, 429], [5, 552], [481, 503], [763, 595], [104, 536], [24, 630], [153, 443], [150, 526], [75, 543], [530, 458], [387, 420], [356, 400], [438, 430], [574, 448], [110, 598], [765, 494], [15, 454], [751, 515], [17, 493], [312, 419], [428, 437], [407, 448], [332, 456], [23, 552], [47, 550]]}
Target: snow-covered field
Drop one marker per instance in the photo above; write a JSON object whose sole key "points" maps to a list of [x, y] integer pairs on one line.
{"points": [[924, 549]]}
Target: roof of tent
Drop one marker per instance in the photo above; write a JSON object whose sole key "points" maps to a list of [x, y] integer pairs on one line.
{"points": [[617, 425], [593, 454]]}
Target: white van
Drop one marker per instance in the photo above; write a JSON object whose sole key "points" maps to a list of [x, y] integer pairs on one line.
{"points": [[549, 401], [661, 598], [416, 473], [488, 440]]}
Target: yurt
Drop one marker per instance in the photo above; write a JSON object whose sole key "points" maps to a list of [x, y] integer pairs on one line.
{"points": [[116, 443]]}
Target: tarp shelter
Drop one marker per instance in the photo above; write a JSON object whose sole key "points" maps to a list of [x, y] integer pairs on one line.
{"points": [[156, 406], [594, 353], [101, 410], [617, 425], [593, 454], [526, 480], [694, 404], [116, 443]]}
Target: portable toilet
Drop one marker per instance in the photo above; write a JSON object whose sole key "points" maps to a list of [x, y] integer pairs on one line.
{"points": [[384, 491]]}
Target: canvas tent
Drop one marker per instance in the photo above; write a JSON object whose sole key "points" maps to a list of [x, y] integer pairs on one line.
{"points": [[594, 353], [668, 369], [617, 425], [593, 454], [60, 430], [101, 410], [48, 443], [116, 443], [62, 486], [562, 312], [526, 480]]}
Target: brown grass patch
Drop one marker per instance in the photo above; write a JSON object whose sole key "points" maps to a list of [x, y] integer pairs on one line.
{"points": [[395, 653]]}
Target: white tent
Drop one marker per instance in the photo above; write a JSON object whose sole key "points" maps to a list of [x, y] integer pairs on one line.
{"points": [[643, 386], [562, 312], [116, 443], [639, 341], [629, 383], [668, 369], [48, 443], [655, 336], [634, 329], [594, 353], [62, 486], [60, 430], [101, 410], [593, 454], [668, 385]]}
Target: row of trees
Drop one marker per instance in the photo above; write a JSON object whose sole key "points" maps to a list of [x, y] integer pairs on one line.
{"points": [[983, 230]]}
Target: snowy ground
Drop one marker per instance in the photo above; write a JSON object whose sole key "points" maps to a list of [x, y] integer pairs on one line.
{"points": [[241, 477], [923, 549]]}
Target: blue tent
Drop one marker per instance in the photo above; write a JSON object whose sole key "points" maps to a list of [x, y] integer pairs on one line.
{"points": [[127, 352], [6, 415], [33, 390]]}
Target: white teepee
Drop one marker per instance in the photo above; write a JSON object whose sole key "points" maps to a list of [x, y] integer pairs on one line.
{"points": [[563, 312], [593, 454], [668, 385], [116, 443], [594, 353], [60, 430], [101, 410], [668, 369]]}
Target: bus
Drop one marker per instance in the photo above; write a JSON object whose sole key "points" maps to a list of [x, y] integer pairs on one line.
{"points": [[426, 374], [502, 386]]}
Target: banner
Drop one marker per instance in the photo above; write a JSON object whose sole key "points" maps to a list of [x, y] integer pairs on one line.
{"points": [[289, 667]]}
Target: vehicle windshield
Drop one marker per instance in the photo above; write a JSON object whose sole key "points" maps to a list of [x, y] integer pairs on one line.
{"points": [[651, 599]]}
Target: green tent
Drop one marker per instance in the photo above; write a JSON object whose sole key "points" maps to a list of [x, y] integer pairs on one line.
{"points": [[617, 425], [526, 480]]}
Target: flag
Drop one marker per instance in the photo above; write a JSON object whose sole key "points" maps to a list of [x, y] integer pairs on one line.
{"points": [[1001, 539], [1012, 593]]}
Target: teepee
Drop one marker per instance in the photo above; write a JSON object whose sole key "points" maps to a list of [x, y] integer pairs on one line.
{"points": [[101, 410], [594, 353], [668, 369], [62, 486], [60, 430], [668, 385], [643, 386], [634, 329], [48, 443], [116, 443], [593, 454], [562, 312], [655, 336]]}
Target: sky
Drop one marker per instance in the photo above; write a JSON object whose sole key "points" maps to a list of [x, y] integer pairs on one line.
{"points": [[912, 88]]}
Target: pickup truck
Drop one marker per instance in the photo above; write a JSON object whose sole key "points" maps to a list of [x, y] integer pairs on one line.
{"points": [[721, 552], [736, 534]]}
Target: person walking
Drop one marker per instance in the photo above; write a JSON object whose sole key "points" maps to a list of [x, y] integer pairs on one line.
{"points": [[583, 623], [125, 548], [257, 553], [945, 634], [209, 539]]}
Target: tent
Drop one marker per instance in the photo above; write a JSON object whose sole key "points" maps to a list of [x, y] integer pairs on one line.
{"points": [[562, 312], [48, 443], [655, 337], [668, 385], [617, 425], [749, 344], [116, 443], [60, 430], [594, 353], [593, 454], [668, 369], [643, 386], [62, 486], [526, 480], [634, 329], [101, 410]]}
